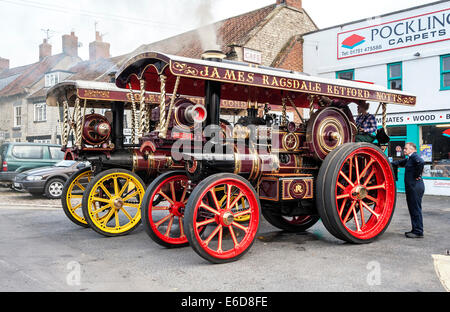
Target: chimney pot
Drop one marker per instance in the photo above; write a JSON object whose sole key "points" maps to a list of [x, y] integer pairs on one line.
{"points": [[98, 49], [45, 49], [4, 64], [297, 4], [70, 44]]}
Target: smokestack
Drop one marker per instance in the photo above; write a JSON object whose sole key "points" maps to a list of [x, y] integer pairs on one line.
{"points": [[45, 49], [70, 44], [297, 4], [4, 64], [98, 49]]}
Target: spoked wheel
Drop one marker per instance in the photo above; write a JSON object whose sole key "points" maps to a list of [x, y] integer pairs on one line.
{"points": [[163, 209], [356, 192], [111, 203], [240, 207], [210, 223], [72, 196], [293, 224]]}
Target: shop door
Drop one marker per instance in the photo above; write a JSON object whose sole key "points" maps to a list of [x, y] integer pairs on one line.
{"points": [[395, 152]]}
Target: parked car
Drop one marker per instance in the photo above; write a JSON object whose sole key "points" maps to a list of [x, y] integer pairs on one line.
{"points": [[47, 180], [19, 157]]}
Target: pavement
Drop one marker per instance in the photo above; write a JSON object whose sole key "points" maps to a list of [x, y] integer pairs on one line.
{"points": [[41, 250]]}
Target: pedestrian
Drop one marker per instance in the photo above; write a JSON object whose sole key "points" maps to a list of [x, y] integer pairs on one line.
{"points": [[414, 188], [366, 124]]}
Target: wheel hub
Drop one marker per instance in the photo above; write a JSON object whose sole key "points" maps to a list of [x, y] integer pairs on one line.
{"points": [[176, 209], [227, 218], [118, 203], [359, 192]]}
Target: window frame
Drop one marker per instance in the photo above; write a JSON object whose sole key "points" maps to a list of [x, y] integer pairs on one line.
{"points": [[51, 79], [43, 106], [389, 78], [16, 116], [346, 71], [418, 147], [442, 72]]}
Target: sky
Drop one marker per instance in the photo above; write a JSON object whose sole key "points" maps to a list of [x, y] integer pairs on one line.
{"points": [[128, 24]]}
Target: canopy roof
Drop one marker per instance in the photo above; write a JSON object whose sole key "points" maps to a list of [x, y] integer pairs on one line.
{"points": [[244, 82], [97, 94]]}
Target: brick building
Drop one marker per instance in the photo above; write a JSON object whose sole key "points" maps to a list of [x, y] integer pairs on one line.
{"points": [[269, 36]]}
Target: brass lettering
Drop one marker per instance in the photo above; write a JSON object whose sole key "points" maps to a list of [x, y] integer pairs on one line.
{"points": [[251, 77], [283, 82], [275, 82], [304, 86], [215, 73], [318, 87], [97, 94], [205, 73], [336, 90], [265, 79], [241, 76], [289, 83], [229, 74]]}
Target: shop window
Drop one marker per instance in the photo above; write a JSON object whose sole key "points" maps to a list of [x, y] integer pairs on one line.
{"points": [[435, 150], [395, 76], [40, 112], [397, 131], [346, 74], [445, 72]]}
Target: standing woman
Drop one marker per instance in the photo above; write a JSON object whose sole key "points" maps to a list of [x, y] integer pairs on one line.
{"points": [[414, 188]]}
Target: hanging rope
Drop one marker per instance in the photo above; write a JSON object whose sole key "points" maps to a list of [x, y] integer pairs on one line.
{"points": [[384, 116]]}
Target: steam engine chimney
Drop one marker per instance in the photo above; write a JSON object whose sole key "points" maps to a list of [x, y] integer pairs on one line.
{"points": [[98, 49], [297, 4], [4, 64], [70, 44], [45, 49]]}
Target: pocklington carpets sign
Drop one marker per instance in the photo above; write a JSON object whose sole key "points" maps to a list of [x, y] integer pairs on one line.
{"points": [[412, 31]]}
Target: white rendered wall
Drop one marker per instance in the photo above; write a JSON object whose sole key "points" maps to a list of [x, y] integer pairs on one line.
{"points": [[421, 75]]}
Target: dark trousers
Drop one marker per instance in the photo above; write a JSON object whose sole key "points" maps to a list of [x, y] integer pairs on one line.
{"points": [[414, 194]]}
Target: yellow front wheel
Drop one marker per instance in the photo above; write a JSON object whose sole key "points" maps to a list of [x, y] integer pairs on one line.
{"points": [[73, 194], [240, 205], [111, 203]]}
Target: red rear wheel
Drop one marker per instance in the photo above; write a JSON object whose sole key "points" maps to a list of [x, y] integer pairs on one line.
{"points": [[163, 209], [357, 193], [210, 223]]}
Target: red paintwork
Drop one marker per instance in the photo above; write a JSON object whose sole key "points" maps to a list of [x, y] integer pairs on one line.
{"points": [[375, 167], [175, 211], [241, 243]]}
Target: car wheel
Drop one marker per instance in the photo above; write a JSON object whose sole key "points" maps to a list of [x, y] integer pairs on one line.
{"points": [[54, 188]]}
